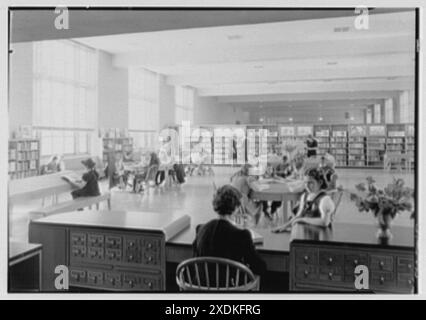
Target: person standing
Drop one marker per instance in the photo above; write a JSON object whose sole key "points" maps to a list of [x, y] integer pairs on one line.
{"points": [[312, 146]]}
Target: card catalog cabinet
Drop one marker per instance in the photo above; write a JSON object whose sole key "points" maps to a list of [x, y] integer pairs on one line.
{"points": [[331, 268]]}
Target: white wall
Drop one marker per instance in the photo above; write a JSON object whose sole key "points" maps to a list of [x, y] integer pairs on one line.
{"points": [[208, 111], [113, 110], [20, 85]]}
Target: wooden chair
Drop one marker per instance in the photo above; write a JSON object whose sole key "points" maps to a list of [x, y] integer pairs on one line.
{"points": [[215, 274]]}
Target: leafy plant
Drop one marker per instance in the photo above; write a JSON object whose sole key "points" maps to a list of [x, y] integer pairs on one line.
{"points": [[392, 199]]}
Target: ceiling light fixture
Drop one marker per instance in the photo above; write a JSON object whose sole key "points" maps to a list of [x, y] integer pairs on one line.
{"points": [[331, 63], [290, 119], [258, 67]]}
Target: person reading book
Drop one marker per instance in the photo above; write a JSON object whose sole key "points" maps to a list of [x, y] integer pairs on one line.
{"points": [[88, 185], [315, 207], [220, 237]]}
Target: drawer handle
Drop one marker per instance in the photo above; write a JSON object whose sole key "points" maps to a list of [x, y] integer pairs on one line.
{"points": [[131, 257], [150, 285], [381, 264], [149, 245], [306, 258], [330, 275], [355, 262], [409, 266], [131, 283], [410, 282], [131, 243], [150, 258], [306, 273], [330, 260], [382, 280]]}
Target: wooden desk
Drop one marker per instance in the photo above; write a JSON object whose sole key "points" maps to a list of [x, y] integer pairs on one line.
{"points": [[324, 259], [25, 268], [38, 187], [277, 192], [107, 250]]}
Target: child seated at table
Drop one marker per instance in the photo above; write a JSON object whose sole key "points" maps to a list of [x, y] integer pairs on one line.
{"points": [[316, 207], [90, 178], [241, 181]]}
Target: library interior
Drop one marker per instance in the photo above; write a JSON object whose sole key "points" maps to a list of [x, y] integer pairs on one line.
{"points": [[165, 150]]}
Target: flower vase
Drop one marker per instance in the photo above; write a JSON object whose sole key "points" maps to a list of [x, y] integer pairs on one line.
{"points": [[384, 223]]}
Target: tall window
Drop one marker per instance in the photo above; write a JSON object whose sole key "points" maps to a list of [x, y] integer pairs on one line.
{"points": [[143, 107], [184, 100], [64, 96]]}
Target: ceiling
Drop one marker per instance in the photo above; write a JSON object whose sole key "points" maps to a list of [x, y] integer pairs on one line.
{"points": [[247, 57]]}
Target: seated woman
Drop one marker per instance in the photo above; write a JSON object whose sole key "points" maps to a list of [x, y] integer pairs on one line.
{"points": [[52, 166], [316, 207], [241, 181], [91, 187], [149, 164], [221, 238], [120, 175]]}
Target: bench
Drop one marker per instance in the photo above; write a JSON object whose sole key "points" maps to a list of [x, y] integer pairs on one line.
{"points": [[72, 205]]}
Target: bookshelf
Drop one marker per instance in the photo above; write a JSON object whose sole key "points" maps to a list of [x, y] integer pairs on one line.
{"points": [[410, 144], [272, 137], [302, 132], [117, 142], [357, 148], [24, 158], [339, 144], [376, 145], [322, 134], [256, 143], [396, 140]]}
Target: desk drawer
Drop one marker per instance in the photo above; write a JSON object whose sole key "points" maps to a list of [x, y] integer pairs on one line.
{"points": [[95, 240], [113, 255], [334, 274], [331, 258], [405, 265], [306, 272], [405, 281], [141, 282], [114, 242], [95, 278], [381, 262], [306, 256], [77, 276], [113, 280], [382, 280], [78, 239]]}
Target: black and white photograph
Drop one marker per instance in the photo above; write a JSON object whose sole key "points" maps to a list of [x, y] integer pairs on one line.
{"points": [[250, 150]]}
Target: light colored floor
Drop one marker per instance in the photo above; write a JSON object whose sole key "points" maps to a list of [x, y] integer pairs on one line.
{"points": [[195, 197]]}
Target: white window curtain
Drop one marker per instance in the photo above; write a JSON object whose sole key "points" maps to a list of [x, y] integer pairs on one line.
{"points": [[64, 101]]}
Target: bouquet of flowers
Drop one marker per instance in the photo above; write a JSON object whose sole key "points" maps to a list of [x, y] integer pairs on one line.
{"points": [[389, 201]]}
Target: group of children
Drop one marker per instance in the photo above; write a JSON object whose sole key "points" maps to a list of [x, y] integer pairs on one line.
{"points": [[299, 168]]}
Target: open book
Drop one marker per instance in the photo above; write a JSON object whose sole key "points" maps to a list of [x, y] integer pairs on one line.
{"points": [[72, 178], [256, 237]]}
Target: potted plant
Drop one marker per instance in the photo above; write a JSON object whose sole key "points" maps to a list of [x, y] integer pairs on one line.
{"points": [[384, 203]]}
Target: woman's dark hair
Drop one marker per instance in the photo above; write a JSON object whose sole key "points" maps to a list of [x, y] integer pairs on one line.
{"points": [[226, 200], [317, 175]]}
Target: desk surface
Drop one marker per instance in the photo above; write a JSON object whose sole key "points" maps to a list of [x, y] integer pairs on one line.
{"points": [[39, 186], [272, 242], [20, 249], [340, 233], [169, 224], [353, 234]]}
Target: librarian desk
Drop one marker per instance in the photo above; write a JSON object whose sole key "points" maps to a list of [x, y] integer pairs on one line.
{"points": [[118, 250]]}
